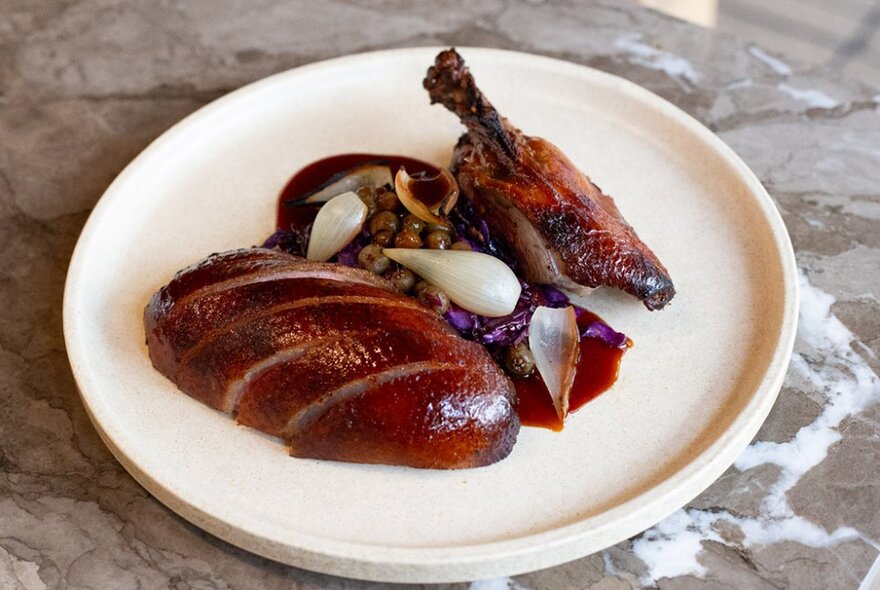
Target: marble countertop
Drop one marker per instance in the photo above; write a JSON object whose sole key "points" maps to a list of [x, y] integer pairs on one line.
{"points": [[86, 84]]}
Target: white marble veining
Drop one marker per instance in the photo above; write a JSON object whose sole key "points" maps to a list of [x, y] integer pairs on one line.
{"points": [[774, 63], [740, 84], [812, 97], [672, 547], [871, 580], [496, 584], [643, 54]]}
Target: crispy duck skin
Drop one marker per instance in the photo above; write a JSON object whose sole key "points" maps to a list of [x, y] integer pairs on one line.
{"points": [[332, 359], [562, 228]]}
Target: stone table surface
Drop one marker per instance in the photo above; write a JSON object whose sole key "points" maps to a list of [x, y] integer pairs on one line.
{"points": [[86, 84]]}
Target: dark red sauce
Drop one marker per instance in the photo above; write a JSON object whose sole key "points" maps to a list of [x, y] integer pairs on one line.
{"points": [[598, 365], [291, 212], [596, 372], [428, 187]]}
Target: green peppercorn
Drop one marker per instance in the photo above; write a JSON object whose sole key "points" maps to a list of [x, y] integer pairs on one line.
{"points": [[462, 245], [434, 298], [438, 240], [407, 239], [383, 238], [384, 221], [518, 360], [387, 201], [367, 195], [413, 224], [421, 286], [402, 278], [372, 259]]}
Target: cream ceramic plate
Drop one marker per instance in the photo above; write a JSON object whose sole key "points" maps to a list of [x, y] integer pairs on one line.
{"points": [[693, 391]]}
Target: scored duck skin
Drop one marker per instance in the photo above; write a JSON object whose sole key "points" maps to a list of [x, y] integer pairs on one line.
{"points": [[562, 228], [332, 359], [201, 296]]}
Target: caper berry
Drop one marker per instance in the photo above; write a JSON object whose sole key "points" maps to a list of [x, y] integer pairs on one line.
{"points": [[387, 201], [518, 360], [384, 221], [438, 240], [402, 278], [372, 259], [407, 239], [434, 298], [383, 238], [462, 245], [413, 224]]}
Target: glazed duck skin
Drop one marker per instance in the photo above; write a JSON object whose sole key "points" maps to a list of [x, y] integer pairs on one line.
{"points": [[332, 359], [562, 228]]}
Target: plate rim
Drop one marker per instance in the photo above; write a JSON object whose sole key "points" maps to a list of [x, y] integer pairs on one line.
{"points": [[522, 553]]}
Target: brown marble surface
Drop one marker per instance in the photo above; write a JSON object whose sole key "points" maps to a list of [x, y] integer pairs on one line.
{"points": [[86, 84]]}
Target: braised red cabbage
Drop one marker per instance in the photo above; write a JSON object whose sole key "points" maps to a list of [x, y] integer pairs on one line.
{"points": [[293, 241], [605, 333]]}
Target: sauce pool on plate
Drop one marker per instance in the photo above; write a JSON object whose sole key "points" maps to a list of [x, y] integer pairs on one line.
{"points": [[316, 174], [597, 371]]}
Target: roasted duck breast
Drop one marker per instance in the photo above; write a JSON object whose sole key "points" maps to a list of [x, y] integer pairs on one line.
{"points": [[563, 229], [332, 359]]}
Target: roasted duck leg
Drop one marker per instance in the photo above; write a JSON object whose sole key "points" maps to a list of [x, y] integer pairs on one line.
{"points": [[564, 230]]}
